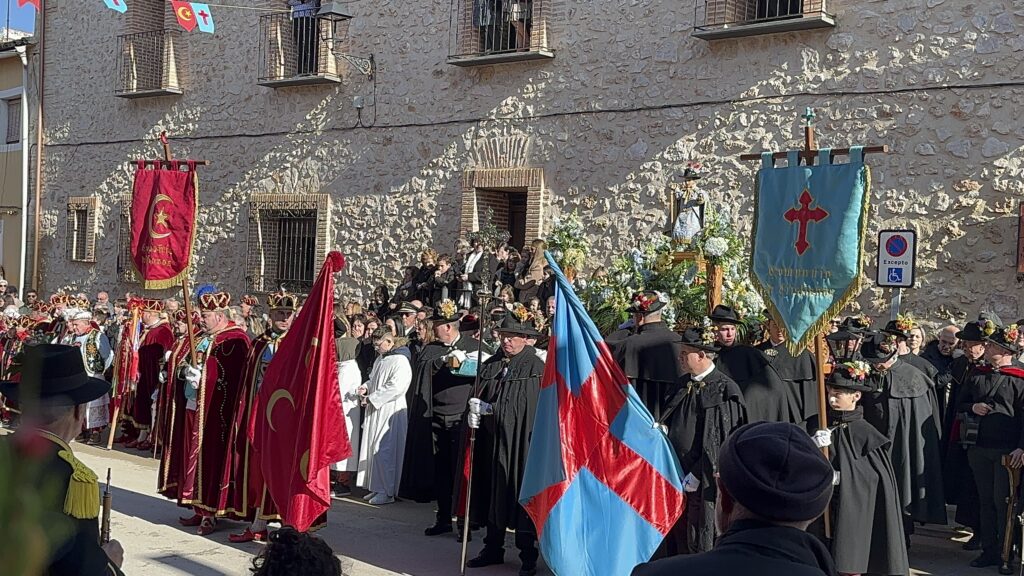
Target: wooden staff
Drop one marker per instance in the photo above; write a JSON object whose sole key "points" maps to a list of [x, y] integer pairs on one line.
{"points": [[1011, 514], [821, 359]]}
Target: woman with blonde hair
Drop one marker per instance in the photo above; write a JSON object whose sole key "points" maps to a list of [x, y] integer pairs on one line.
{"points": [[533, 276]]}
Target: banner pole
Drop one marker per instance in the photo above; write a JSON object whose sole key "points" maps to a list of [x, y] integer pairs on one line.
{"points": [[822, 359], [897, 301]]}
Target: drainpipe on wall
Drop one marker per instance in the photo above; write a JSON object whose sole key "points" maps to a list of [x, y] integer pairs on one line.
{"points": [[39, 145], [23, 53]]}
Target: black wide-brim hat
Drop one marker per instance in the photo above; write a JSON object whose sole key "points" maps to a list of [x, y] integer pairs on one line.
{"points": [[445, 312], [840, 378], [55, 374], [725, 315], [873, 349], [1004, 340], [972, 332], [651, 296], [511, 325], [694, 338], [891, 327], [843, 334]]}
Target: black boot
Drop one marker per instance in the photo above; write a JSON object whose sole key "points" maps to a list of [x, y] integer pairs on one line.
{"points": [[438, 529], [487, 558], [986, 559]]}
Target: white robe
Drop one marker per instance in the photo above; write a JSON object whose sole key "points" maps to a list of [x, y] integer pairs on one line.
{"points": [[385, 427], [349, 380]]}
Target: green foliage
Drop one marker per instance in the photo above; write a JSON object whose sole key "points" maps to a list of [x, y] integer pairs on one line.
{"points": [[568, 241]]}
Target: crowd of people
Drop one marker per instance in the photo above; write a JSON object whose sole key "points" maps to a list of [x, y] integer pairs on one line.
{"points": [[912, 423]]}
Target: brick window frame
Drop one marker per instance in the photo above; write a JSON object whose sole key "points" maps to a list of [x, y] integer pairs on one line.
{"points": [[80, 242], [479, 185], [261, 264]]}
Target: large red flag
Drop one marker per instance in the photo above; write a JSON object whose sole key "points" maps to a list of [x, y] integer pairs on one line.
{"points": [[164, 207], [298, 427]]}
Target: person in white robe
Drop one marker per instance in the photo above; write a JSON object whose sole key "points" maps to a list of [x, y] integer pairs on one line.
{"points": [[386, 420], [97, 356]]}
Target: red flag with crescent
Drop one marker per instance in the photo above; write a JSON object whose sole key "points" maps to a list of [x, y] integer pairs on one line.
{"points": [[32, 2], [185, 14], [164, 207], [298, 427]]}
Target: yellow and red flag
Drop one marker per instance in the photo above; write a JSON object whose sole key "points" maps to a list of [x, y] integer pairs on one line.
{"points": [[164, 208], [185, 14]]}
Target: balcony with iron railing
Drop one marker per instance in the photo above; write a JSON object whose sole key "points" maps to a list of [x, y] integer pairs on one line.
{"points": [[149, 64], [494, 31], [717, 19], [297, 51]]}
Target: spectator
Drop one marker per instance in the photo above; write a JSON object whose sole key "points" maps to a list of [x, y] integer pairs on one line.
{"points": [[291, 552], [915, 340], [103, 301]]}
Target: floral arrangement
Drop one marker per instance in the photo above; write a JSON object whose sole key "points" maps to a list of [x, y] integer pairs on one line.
{"points": [[447, 308], [718, 241], [988, 328], [708, 334], [520, 312], [568, 241], [1011, 333], [857, 369], [905, 323]]}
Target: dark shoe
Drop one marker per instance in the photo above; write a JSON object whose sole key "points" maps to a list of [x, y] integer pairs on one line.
{"points": [[458, 535], [973, 544], [986, 560], [207, 527], [528, 570], [438, 529], [1005, 569], [191, 521], [339, 490], [485, 559]]}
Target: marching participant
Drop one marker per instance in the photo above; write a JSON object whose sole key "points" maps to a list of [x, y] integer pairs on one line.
{"points": [[251, 500], [156, 339], [97, 355], [172, 408], [211, 397], [649, 357]]}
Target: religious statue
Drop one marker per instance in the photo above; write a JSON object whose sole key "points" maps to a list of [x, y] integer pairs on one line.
{"points": [[687, 205]]}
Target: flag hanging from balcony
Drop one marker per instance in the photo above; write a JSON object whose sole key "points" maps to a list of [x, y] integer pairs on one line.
{"points": [[185, 14], [809, 230], [165, 203], [32, 2], [119, 5], [204, 18], [602, 483]]}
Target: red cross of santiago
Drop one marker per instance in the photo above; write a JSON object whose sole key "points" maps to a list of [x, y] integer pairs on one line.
{"points": [[804, 215]]}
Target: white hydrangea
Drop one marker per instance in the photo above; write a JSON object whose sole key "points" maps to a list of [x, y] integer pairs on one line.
{"points": [[716, 247]]}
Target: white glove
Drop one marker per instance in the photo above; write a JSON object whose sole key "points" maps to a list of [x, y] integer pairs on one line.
{"points": [[690, 483], [822, 438], [154, 395], [167, 356], [474, 420], [162, 377], [835, 478], [459, 355], [192, 376], [133, 384], [479, 407]]}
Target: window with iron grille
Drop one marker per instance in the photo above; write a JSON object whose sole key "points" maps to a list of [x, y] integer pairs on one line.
{"points": [[81, 233], [734, 18], [287, 241], [495, 31], [13, 121]]}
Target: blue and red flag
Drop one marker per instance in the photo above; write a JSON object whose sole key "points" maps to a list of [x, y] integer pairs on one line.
{"points": [[602, 484]]}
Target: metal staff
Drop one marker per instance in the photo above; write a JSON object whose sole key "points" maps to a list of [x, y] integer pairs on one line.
{"points": [[105, 522], [1011, 517]]}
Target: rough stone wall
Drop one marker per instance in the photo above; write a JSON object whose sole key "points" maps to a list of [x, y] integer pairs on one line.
{"points": [[630, 96]]}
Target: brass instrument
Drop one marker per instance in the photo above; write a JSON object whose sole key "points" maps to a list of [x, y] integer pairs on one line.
{"points": [[1011, 516], [105, 513]]}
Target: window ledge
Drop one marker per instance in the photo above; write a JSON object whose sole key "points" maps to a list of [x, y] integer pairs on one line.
{"points": [[301, 80], [151, 93], [466, 60], [742, 29]]}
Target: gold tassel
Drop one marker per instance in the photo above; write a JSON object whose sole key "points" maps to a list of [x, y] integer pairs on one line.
{"points": [[83, 497]]}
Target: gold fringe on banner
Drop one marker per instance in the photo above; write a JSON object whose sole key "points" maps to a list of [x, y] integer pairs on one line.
{"points": [[852, 291]]}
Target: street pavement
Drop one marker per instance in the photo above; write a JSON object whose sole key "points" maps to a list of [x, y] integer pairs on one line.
{"points": [[370, 540]]}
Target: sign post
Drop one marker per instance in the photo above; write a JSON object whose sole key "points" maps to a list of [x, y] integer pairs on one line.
{"points": [[897, 258]]}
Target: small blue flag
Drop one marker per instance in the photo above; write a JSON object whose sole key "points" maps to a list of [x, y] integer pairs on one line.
{"points": [[203, 17], [118, 5]]}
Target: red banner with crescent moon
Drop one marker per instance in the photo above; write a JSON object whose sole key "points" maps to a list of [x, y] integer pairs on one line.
{"points": [[164, 207]]}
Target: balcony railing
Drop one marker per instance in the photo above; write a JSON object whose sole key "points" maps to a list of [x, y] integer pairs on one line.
{"points": [[717, 19], [149, 64], [493, 31], [297, 51]]}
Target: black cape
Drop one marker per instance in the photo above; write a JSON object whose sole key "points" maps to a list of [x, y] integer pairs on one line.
{"points": [[512, 386], [900, 409], [943, 378], [956, 470], [438, 394], [800, 375], [867, 533], [699, 416], [767, 397], [932, 374], [650, 359], [751, 547]]}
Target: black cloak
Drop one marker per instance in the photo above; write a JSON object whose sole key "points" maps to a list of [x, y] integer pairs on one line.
{"points": [[800, 373], [650, 359], [766, 396]]}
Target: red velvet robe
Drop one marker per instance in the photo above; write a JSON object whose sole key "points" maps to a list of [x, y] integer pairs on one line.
{"points": [[153, 343], [171, 434], [206, 469], [125, 370], [250, 490]]}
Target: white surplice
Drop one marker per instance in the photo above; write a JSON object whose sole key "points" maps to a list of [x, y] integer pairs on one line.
{"points": [[385, 426], [349, 379]]}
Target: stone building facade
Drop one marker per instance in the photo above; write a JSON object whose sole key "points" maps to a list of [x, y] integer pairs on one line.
{"points": [[609, 102]]}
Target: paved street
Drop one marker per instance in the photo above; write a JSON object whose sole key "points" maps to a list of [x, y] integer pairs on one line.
{"points": [[371, 541]]}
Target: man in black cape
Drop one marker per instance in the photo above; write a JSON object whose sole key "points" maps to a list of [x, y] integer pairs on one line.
{"points": [[900, 409], [995, 397], [900, 329], [767, 397], [940, 354], [798, 372], [507, 405], [956, 473], [437, 401], [649, 357], [703, 408], [867, 521]]}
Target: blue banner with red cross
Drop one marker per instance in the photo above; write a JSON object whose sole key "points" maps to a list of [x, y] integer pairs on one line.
{"points": [[809, 231]]}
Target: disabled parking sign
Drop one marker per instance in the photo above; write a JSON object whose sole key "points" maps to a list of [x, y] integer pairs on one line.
{"points": [[897, 255]]}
